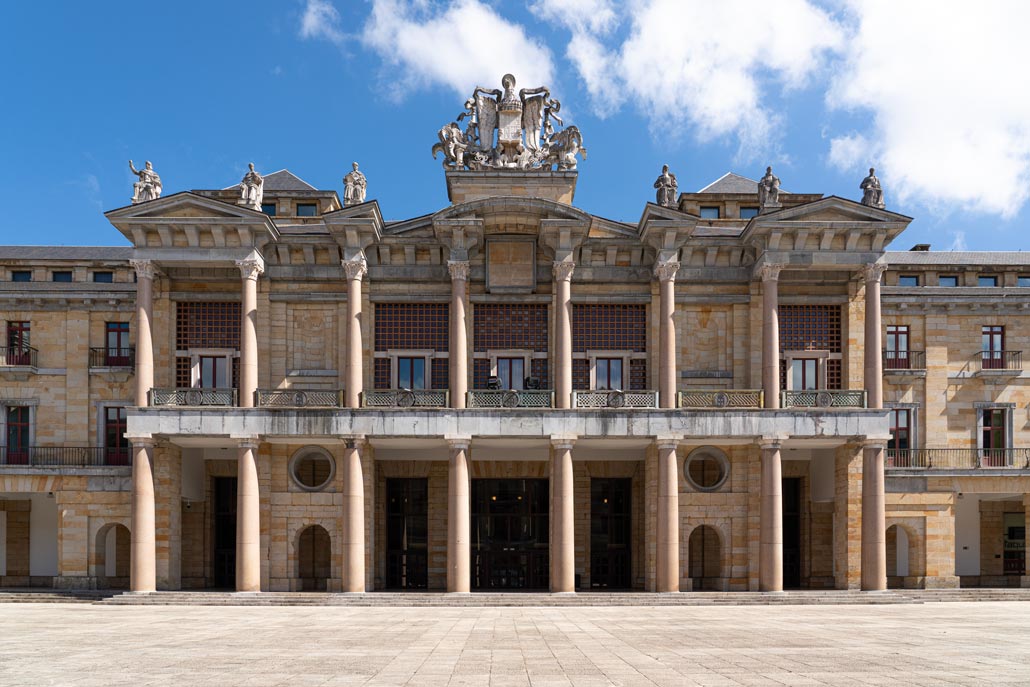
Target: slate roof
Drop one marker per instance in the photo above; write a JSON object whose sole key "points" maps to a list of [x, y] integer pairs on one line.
{"points": [[733, 183], [283, 180], [65, 252], [957, 258]]}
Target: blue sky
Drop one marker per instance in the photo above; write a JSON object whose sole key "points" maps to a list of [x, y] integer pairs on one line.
{"points": [[820, 90]]}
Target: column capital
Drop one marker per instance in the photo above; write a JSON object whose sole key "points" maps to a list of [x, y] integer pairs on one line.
{"points": [[356, 268], [458, 442], [563, 269], [250, 268], [872, 442], [770, 443], [142, 442], [458, 269], [873, 272], [248, 442], [666, 270], [668, 441], [563, 441], [768, 271], [145, 269], [358, 441]]}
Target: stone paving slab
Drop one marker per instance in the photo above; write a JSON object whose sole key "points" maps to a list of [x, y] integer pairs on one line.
{"points": [[931, 644]]}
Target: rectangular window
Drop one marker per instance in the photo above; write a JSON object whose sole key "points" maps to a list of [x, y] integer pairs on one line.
{"points": [[947, 280], [608, 373], [994, 435], [992, 349], [710, 213], [512, 372], [214, 372], [896, 357], [116, 446], [908, 280], [61, 276], [103, 277], [748, 213], [117, 351], [18, 348], [21, 275], [18, 433], [307, 209], [207, 325], [1023, 281], [269, 209], [411, 373], [804, 374], [901, 430], [987, 281]]}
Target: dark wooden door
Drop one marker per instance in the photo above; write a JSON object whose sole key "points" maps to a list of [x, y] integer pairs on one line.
{"points": [[510, 536], [792, 532], [224, 539], [610, 532], [407, 533]]}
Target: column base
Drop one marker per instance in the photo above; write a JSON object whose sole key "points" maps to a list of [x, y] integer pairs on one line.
{"points": [[1024, 581], [563, 593]]}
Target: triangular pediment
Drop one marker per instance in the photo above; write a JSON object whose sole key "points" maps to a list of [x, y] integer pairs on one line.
{"points": [[832, 209], [185, 205], [495, 207]]}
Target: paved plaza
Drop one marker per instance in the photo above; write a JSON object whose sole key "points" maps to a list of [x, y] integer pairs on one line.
{"points": [[932, 644]]}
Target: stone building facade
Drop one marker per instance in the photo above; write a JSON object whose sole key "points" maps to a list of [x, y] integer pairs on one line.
{"points": [[512, 393]]}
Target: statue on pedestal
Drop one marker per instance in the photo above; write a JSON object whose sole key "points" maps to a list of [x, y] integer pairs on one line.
{"points": [[149, 185], [666, 185], [354, 186], [872, 192], [769, 191], [251, 189]]}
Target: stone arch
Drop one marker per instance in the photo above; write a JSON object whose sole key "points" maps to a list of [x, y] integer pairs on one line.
{"points": [[906, 554], [109, 563], [705, 558], [313, 558]]}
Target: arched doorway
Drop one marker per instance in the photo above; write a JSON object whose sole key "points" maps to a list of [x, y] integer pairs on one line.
{"points": [[705, 559], [898, 552], [314, 556], [112, 548]]}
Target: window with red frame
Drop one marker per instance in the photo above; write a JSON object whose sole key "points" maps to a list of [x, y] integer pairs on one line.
{"points": [[116, 446], [116, 342], [608, 373], [18, 343], [993, 347], [994, 436], [896, 357], [18, 435]]}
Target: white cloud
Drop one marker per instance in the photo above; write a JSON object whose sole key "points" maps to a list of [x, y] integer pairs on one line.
{"points": [[461, 44], [850, 151], [321, 20], [958, 240], [595, 16], [951, 120]]}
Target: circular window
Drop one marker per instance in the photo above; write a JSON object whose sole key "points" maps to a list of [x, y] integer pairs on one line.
{"points": [[706, 468], [312, 469]]}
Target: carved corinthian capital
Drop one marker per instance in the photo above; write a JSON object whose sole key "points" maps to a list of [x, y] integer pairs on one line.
{"points": [[769, 272], [873, 272], [459, 269], [563, 269], [250, 268], [666, 271], [356, 268], [144, 268]]}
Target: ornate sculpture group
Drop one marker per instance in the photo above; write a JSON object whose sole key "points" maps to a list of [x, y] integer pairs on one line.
{"points": [[251, 189], [666, 185], [354, 186], [149, 185], [509, 130]]}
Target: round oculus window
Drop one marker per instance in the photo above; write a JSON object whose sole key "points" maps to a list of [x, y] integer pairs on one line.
{"points": [[706, 469], [312, 470]]}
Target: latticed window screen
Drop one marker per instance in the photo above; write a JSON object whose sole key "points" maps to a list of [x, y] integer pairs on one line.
{"points": [[207, 325], [540, 371], [580, 374], [411, 326], [182, 372], [480, 371], [382, 373], [441, 371], [506, 326], [609, 327], [638, 375], [810, 328]]}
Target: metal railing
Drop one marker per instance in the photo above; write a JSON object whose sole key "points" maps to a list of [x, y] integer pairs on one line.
{"points": [[18, 356], [192, 397], [510, 398], [63, 456], [298, 398], [405, 398], [614, 398], [957, 458], [904, 360], [721, 398], [112, 357], [823, 398], [1000, 360]]}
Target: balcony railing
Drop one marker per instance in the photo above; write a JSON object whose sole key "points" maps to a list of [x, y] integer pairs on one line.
{"points": [[903, 360], [614, 398], [18, 356], [957, 458], [721, 398], [298, 398], [510, 398], [405, 398], [112, 357], [192, 397], [823, 398], [63, 456], [1011, 361]]}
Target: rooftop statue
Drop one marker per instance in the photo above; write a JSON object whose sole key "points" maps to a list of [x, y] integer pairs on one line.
{"points": [[666, 185], [769, 191], [354, 186], [149, 185], [251, 189], [510, 130], [872, 192]]}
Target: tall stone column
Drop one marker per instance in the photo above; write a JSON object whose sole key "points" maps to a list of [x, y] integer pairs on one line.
{"points": [[770, 564], [458, 354], [563, 546], [667, 577], [459, 515], [563, 333], [355, 269], [144, 333], [873, 336], [248, 519], [250, 269], [666, 273], [874, 520], [143, 552], [353, 518], [770, 275]]}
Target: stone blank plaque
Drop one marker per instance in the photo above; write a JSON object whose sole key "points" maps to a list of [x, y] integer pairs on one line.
{"points": [[511, 265]]}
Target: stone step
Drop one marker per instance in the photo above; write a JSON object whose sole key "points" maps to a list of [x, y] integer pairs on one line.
{"points": [[53, 596]]}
